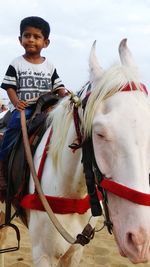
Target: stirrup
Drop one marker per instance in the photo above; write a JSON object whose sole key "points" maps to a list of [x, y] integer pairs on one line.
{"points": [[10, 249]]}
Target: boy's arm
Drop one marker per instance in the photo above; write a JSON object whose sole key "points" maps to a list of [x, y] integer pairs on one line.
{"points": [[18, 104], [58, 87]]}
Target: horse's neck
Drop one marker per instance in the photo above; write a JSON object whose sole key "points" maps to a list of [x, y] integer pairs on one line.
{"points": [[70, 169], [67, 178]]}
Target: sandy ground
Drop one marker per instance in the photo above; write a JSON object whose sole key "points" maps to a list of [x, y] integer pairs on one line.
{"points": [[101, 252]]}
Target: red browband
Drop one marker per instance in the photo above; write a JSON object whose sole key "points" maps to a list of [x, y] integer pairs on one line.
{"points": [[132, 87]]}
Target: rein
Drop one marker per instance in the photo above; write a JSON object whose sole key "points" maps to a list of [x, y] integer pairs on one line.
{"points": [[48, 209], [88, 232]]}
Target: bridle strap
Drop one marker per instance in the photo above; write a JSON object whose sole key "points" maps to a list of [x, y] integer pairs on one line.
{"points": [[132, 87], [87, 161], [125, 192]]}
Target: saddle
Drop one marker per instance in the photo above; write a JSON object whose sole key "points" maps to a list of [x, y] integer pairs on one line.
{"points": [[17, 169], [19, 183]]}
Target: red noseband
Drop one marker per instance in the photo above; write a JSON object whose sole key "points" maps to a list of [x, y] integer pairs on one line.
{"points": [[125, 192]]}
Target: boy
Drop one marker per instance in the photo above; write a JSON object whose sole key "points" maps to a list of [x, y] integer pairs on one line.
{"points": [[27, 77]]}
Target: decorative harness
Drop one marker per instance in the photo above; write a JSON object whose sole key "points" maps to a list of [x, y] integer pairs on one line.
{"points": [[94, 178]]}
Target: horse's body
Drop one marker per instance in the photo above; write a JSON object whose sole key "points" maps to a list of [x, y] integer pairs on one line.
{"points": [[120, 125]]}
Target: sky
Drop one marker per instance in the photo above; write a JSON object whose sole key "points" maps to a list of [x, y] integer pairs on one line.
{"points": [[75, 24]]}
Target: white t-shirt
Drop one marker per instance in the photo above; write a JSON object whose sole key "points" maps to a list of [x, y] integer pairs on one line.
{"points": [[31, 80]]}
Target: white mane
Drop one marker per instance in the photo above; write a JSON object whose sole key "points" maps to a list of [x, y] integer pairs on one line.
{"points": [[61, 118], [112, 81]]}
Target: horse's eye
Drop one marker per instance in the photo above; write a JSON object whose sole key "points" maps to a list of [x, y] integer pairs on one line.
{"points": [[104, 137], [101, 135]]}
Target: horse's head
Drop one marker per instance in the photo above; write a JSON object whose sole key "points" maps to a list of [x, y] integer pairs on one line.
{"points": [[117, 116]]}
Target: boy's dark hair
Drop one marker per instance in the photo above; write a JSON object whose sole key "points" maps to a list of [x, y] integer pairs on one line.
{"points": [[35, 22]]}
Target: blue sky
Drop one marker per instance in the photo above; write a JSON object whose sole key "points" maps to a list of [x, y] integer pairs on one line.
{"points": [[75, 24]]}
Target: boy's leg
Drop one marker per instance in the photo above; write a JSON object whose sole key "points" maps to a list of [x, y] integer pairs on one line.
{"points": [[11, 133], [8, 142], [3, 184]]}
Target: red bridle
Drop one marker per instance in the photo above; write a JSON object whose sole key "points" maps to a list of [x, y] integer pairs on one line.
{"points": [[132, 87], [125, 192]]}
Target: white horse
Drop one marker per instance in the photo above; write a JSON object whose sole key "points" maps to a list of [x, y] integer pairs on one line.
{"points": [[117, 117]]}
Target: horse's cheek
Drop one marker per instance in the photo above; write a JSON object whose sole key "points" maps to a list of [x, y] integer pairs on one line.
{"points": [[101, 156]]}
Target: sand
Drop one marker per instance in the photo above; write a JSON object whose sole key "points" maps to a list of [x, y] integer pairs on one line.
{"points": [[101, 252]]}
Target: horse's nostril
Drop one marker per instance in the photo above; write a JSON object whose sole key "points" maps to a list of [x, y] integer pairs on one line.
{"points": [[137, 238], [133, 243], [129, 238], [134, 240], [137, 246]]}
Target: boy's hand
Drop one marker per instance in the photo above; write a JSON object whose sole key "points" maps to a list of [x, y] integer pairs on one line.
{"points": [[62, 92], [21, 105]]}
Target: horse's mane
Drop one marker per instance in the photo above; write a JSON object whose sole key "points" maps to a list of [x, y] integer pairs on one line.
{"points": [[113, 80], [61, 118]]}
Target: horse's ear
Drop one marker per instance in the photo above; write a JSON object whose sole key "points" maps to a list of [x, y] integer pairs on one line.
{"points": [[94, 68], [125, 54]]}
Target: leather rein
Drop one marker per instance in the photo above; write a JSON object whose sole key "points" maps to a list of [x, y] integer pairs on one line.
{"points": [[88, 232]]}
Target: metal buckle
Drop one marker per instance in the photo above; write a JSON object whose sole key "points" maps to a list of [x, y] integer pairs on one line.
{"points": [[10, 249]]}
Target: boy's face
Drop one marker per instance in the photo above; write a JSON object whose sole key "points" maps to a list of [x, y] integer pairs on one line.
{"points": [[33, 40]]}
